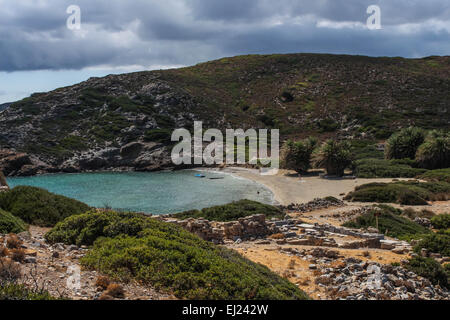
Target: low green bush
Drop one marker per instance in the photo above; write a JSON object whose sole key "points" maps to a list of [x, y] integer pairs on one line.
{"points": [[404, 192], [391, 222], [169, 258], [378, 168], [441, 221], [84, 229], [37, 206], [233, 211], [18, 292], [10, 223], [430, 269], [436, 243], [436, 175]]}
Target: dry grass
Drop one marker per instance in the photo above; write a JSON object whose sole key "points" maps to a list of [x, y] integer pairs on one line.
{"points": [[105, 296], [13, 242], [115, 290], [18, 255], [9, 270], [103, 282], [3, 251], [277, 236], [291, 264]]}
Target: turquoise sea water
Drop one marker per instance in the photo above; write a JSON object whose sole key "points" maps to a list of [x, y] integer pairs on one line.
{"points": [[157, 193]]}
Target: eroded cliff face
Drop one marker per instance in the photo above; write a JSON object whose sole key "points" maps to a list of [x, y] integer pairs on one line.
{"points": [[112, 123]]}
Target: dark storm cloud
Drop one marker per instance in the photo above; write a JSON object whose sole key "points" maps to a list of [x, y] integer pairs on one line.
{"points": [[33, 34]]}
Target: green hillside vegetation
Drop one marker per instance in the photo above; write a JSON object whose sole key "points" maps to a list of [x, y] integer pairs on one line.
{"points": [[430, 269], [38, 206], [380, 168], [10, 223], [403, 192], [389, 222], [170, 259], [301, 94], [436, 175], [436, 243], [233, 211], [441, 221]]}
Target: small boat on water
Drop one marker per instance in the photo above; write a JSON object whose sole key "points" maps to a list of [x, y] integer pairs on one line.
{"points": [[217, 178], [199, 175]]}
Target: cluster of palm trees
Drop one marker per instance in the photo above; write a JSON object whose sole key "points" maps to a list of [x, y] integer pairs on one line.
{"points": [[335, 156], [430, 150]]}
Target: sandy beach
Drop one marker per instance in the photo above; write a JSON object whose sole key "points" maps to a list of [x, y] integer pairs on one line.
{"points": [[288, 188]]}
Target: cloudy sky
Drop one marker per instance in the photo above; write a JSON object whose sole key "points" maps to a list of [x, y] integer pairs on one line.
{"points": [[38, 52]]}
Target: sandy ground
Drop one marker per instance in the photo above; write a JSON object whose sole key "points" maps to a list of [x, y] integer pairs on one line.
{"points": [[288, 188]]}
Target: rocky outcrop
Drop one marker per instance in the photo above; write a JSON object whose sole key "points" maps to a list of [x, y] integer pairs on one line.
{"points": [[246, 228], [20, 164], [316, 204], [3, 183]]}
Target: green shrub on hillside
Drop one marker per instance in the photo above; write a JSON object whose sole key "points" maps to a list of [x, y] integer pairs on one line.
{"points": [[437, 175], [169, 258], [404, 192], [430, 269], [188, 267], [436, 243], [404, 144], [441, 221], [233, 211], [378, 168], [10, 223], [18, 292], [389, 222], [84, 229], [38, 206]]}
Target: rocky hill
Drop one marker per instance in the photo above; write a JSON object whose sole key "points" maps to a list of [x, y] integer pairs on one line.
{"points": [[125, 121], [4, 106]]}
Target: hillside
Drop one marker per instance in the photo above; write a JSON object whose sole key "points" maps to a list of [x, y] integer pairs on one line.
{"points": [[125, 121], [4, 106]]}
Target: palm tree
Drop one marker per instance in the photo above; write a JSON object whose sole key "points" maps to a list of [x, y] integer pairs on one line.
{"points": [[404, 144], [297, 155], [434, 153], [334, 156]]}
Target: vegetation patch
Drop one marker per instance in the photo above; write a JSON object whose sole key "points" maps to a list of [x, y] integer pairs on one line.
{"points": [[390, 222], [430, 269], [169, 258], [436, 243], [37, 206], [436, 175], [233, 211], [378, 168], [441, 221], [10, 223], [404, 192], [297, 155]]}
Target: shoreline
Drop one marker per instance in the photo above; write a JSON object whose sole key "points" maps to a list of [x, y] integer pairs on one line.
{"points": [[285, 187], [288, 189]]}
